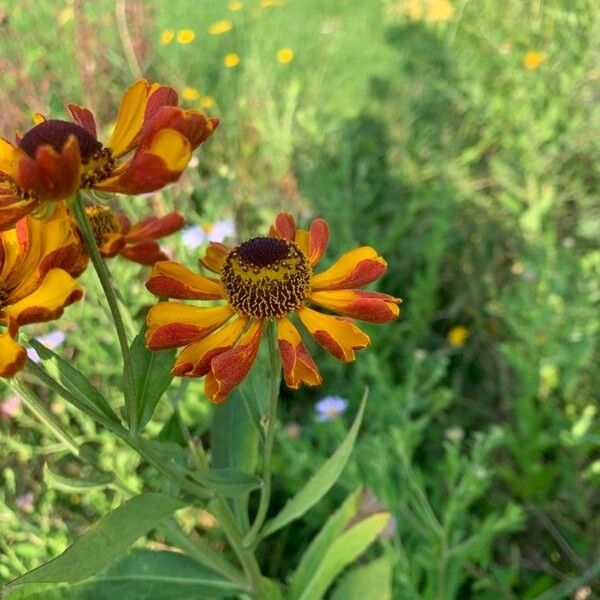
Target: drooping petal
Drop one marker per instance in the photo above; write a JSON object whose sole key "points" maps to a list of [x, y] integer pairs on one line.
{"points": [[146, 252], [373, 307], [51, 175], [112, 244], [12, 355], [319, 240], [298, 365], [7, 157], [83, 117], [57, 290], [160, 96], [353, 269], [172, 324], [172, 280], [152, 167], [194, 360], [215, 256], [155, 227], [228, 369], [337, 335], [13, 208]]}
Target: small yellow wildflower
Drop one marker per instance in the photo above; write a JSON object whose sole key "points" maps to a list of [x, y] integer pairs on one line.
{"points": [[231, 60], [235, 6], [190, 93], [167, 36], [532, 60], [220, 27], [285, 55], [66, 15], [457, 336], [185, 36], [207, 102], [431, 11], [269, 3]]}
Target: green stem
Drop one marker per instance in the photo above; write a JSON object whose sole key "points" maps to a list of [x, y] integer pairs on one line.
{"points": [[265, 492], [109, 291], [245, 556]]}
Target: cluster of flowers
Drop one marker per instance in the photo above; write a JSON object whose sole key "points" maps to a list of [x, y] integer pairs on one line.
{"points": [[263, 279]]}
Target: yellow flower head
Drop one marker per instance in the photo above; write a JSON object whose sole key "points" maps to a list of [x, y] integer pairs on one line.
{"points": [[167, 36], [235, 6], [270, 3], [457, 336], [431, 11], [207, 102], [37, 261], [285, 55], [266, 279], [231, 60], [532, 60], [220, 27], [190, 93], [185, 36]]}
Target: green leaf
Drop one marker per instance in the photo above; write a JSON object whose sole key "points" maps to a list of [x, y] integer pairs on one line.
{"points": [[104, 541], [373, 580], [152, 375], [74, 381], [346, 548], [68, 484], [142, 574], [228, 482], [321, 482]]}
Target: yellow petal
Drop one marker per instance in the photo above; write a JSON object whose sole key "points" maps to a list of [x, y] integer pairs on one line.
{"points": [[12, 355], [7, 157], [172, 280], [337, 335], [173, 147], [298, 365], [57, 290], [353, 269], [215, 256]]}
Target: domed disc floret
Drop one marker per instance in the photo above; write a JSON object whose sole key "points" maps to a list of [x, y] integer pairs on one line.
{"points": [[266, 277]]}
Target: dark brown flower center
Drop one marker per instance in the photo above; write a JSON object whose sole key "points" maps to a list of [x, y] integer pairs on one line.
{"points": [[55, 133], [102, 221], [266, 277]]}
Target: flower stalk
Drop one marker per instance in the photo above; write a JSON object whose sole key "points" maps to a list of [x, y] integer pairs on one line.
{"points": [[109, 291]]}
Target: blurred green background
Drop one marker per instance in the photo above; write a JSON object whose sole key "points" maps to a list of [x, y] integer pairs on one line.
{"points": [[461, 139]]}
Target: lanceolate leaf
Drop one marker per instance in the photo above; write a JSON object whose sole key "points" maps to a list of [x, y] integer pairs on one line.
{"points": [[105, 541], [373, 580], [228, 482], [142, 574], [73, 380], [151, 371], [321, 482], [72, 485]]}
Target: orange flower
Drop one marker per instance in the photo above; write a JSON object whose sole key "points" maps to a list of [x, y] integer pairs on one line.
{"points": [[150, 146], [266, 278], [115, 234], [35, 285]]}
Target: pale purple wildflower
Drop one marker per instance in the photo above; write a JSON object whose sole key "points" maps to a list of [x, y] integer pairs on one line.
{"points": [[330, 407], [11, 407], [50, 340], [195, 236], [25, 502]]}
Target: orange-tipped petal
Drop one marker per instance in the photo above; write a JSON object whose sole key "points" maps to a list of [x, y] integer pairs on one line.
{"points": [[160, 96], [153, 166], [111, 245], [12, 208], [57, 290], [172, 280], [228, 369], [319, 240], [12, 355], [354, 269], [339, 336], [298, 365], [83, 117], [194, 125], [155, 227], [146, 252], [195, 359], [373, 307], [285, 227], [172, 324], [52, 175], [215, 256], [7, 157]]}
